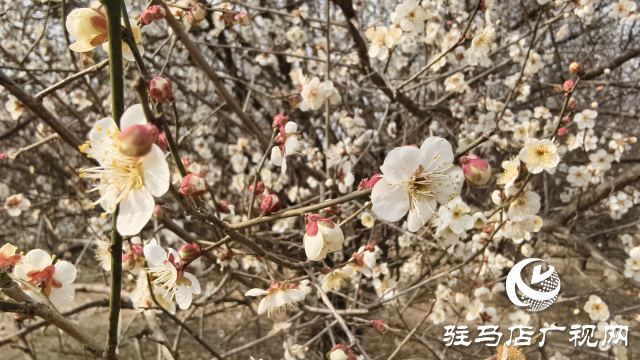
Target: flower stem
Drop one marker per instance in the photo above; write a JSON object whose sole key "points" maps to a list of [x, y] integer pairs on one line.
{"points": [[114, 29], [131, 41]]}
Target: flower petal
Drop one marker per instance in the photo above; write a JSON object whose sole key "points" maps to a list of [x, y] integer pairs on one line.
{"points": [[65, 272], [390, 202], [62, 297], [135, 211], [134, 115], [39, 259], [401, 163], [195, 284], [156, 172], [313, 246], [436, 146], [256, 292], [183, 297], [155, 254]]}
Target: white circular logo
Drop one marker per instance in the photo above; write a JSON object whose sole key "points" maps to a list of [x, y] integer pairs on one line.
{"points": [[544, 288]]}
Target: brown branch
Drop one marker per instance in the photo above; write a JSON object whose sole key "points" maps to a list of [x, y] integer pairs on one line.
{"points": [[612, 64]]}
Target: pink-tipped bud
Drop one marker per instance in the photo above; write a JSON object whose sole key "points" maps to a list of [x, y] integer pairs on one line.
{"points": [[158, 213], [224, 207], [162, 142], [160, 89], [567, 86], [147, 16], [370, 248], [259, 188], [332, 211], [476, 171], [243, 19], [128, 261], [189, 252], [380, 326], [487, 229], [633, 140], [367, 183], [3, 156], [571, 104], [199, 12], [185, 161], [294, 102], [565, 120], [341, 352], [270, 204], [576, 69], [137, 140], [562, 131], [158, 12], [557, 88], [193, 185], [279, 121], [600, 88]]}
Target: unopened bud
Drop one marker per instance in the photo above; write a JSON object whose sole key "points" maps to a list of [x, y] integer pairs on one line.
{"points": [[557, 88], [576, 69], [158, 213], [476, 171], [487, 229], [189, 252], [147, 16], [199, 12], [607, 71], [224, 207], [294, 102], [185, 161], [3, 156], [279, 121], [328, 183], [128, 261], [158, 12], [594, 105], [193, 185], [600, 88], [243, 19], [562, 131], [332, 211], [160, 89], [380, 326], [162, 142], [370, 248], [633, 140], [270, 204], [259, 188], [137, 140], [567, 86], [571, 104]]}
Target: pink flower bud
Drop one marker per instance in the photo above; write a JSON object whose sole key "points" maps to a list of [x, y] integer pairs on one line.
{"points": [[193, 185], [571, 104], [279, 121], [259, 188], [476, 171], [158, 212], [576, 69], [380, 326], [224, 207], [160, 89], [3, 156], [370, 248], [147, 16], [243, 19], [562, 131], [128, 261], [185, 161], [557, 88], [189, 252], [633, 140], [565, 120], [162, 142], [600, 88], [199, 12], [367, 183], [270, 204], [567, 86], [487, 229], [137, 140], [158, 12]]}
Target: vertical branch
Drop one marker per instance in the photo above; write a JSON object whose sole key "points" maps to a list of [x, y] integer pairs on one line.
{"points": [[114, 29], [327, 106]]}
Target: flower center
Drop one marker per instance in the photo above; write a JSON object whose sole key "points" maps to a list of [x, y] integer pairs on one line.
{"points": [[539, 154], [44, 279]]}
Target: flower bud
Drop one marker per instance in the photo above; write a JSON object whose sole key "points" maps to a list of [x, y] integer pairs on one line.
{"points": [[162, 142], [270, 204], [476, 171], [189, 252], [562, 131], [158, 12], [147, 16], [567, 86], [294, 102], [576, 69], [340, 352], [557, 88], [380, 326], [185, 161], [128, 261], [279, 121], [160, 89], [328, 183], [243, 19], [199, 12], [571, 104], [137, 140], [370, 248], [594, 105], [3, 156], [367, 183], [332, 210], [600, 88], [224, 207], [193, 185], [158, 213], [633, 140], [259, 188], [607, 71]]}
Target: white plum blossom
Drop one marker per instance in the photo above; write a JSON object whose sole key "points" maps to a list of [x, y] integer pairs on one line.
{"points": [[321, 237], [481, 46], [14, 107], [287, 143], [596, 308], [579, 175], [16, 204], [456, 83], [128, 181], [539, 155], [601, 160], [415, 181], [278, 297], [168, 270], [315, 93], [525, 205], [410, 15], [585, 119]]}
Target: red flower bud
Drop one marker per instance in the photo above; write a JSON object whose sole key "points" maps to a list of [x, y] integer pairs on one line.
{"points": [[571, 105], [193, 185], [342, 352], [158, 213], [279, 121], [147, 16], [565, 120], [3, 156], [158, 12], [487, 229], [137, 140], [162, 142], [259, 188], [380, 326], [367, 183], [568, 85], [160, 89], [243, 19], [189, 252], [600, 88], [476, 171], [224, 208], [270, 204], [562, 131], [576, 69]]}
